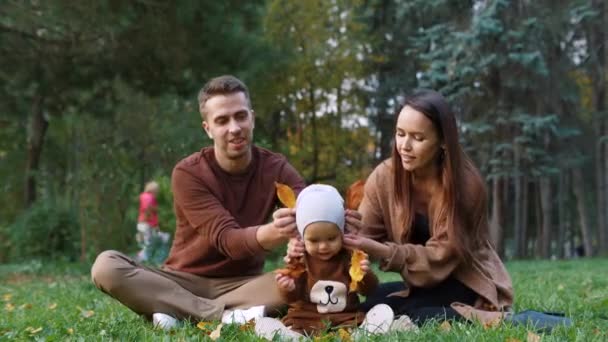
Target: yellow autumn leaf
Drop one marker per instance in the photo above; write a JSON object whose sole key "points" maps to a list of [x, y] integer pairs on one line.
{"points": [[70, 331], [53, 306], [215, 334], [9, 307], [88, 313], [445, 326], [286, 195], [344, 335], [206, 327], [355, 271], [532, 337], [512, 339], [25, 306], [492, 323], [32, 330], [7, 297]]}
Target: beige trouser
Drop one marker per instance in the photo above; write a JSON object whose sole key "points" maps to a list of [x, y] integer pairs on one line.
{"points": [[147, 290]]}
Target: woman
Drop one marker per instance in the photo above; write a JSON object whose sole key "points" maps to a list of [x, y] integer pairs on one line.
{"points": [[424, 215]]}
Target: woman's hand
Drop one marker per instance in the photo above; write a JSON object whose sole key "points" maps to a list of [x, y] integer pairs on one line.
{"points": [[353, 221], [374, 248], [295, 249], [285, 283]]}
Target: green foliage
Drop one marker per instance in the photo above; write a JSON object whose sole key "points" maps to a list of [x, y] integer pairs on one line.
{"points": [[47, 230]]}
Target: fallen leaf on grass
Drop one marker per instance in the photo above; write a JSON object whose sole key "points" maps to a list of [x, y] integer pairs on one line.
{"points": [[492, 323], [512, 339], [445, 326], [355, 271], [25, 306], [215, 334], [206, 327], [286, 195], [344, 335], [88, 313], [324, 338], [532, 337], [70, 331], [9, 307], [249, 326], [7, 297], [53, 306], [33, 330]]}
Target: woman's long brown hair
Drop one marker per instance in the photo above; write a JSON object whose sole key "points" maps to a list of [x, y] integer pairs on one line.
{"points": [[461, 204]]}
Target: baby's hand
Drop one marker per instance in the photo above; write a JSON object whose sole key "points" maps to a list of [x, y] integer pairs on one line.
{"points": [[365, 265], [285, 283]]}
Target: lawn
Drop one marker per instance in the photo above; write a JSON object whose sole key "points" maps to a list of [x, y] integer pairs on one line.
{"points": [[58, 302]]}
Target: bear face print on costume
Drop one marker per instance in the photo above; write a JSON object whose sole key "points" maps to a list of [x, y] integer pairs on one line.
{"points": [[329, 296]]}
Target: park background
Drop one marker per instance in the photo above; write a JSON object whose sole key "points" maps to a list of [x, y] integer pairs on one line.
{"points": [[98, 97]]}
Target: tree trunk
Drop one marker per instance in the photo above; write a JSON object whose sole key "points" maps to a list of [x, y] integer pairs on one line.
{"points": [[578, 187], [496, 221], [315, 138], [546, 204], [561, 212], [37, 127], [598, 59], [518, 204], [524, 215]]}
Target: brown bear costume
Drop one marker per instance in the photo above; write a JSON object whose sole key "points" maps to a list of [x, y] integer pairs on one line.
{"points": [[322, 298]]}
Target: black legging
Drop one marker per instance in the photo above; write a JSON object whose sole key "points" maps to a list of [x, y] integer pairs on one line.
{"points": [[423, 304]]}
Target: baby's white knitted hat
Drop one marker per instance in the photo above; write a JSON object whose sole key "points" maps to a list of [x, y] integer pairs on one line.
{"points": [[319, 203]]}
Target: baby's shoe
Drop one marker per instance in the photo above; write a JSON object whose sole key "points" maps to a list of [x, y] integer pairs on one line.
{"points": [[268, 327], [242, 316], [404, 323], [378, 319]]}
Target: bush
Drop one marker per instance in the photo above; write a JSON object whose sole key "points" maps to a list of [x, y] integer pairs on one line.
{"points": [[47, 229]]}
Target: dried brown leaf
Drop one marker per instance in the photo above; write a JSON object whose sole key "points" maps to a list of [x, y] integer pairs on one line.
{"points": [[293, 269], [532, 337], [215, 334], [445, 326], [354, 194], [286, 195]]}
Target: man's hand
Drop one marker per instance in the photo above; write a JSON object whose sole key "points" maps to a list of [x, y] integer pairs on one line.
{"points": [[285, 283], [282, 227], [374, 248]]}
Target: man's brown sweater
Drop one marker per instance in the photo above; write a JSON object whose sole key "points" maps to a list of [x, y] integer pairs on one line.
{"points": [[218, 214]]}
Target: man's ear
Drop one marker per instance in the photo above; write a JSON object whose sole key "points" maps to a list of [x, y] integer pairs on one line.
{"points": [[252, 118], [205, 126]]}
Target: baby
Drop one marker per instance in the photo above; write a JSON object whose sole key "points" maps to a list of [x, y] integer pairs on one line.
{"points": [[320, 297]]}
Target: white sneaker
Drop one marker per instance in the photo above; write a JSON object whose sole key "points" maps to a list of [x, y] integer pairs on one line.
{"points": [[267, 328], [242, 316], [378, 319], [164, 321], [404, 323]]}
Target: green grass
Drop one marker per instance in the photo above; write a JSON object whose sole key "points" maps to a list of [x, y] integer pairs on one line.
{"points": [[58, 302]]}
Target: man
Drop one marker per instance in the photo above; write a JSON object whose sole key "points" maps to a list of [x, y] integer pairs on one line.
{"points": [[223, 197]]}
